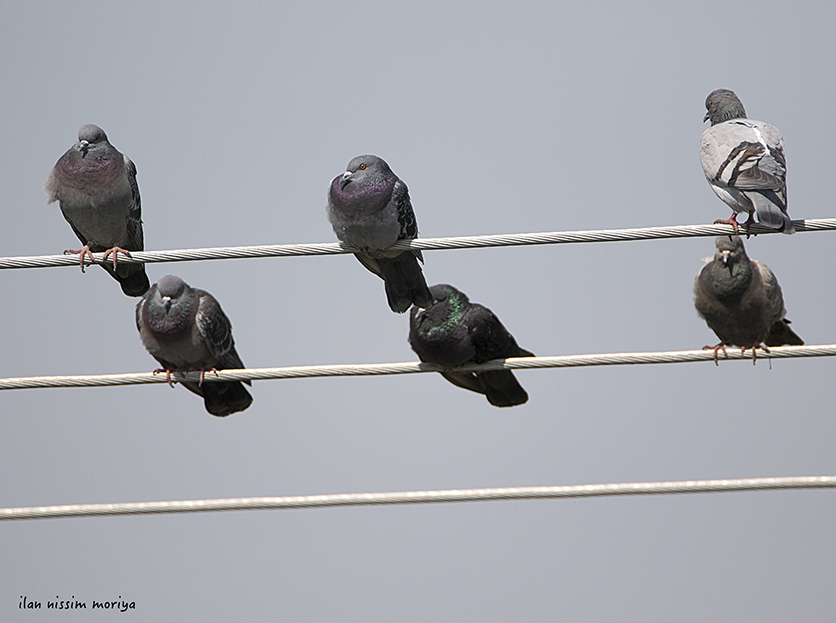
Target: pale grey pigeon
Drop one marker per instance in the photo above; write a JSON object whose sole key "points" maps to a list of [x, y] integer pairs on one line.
{"points": [[741, 300], [453, 331], [95, 186], [744, 163], [185, 329], [369, 208]]}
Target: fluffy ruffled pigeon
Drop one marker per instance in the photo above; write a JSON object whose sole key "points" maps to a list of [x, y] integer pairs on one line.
{"points": [[744, 163], [452, 331], [369, 208], [185, 329], [741, 300], [95, 186]]}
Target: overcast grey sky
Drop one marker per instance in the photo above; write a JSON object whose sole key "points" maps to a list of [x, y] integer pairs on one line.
{"points": [[501, 117]]}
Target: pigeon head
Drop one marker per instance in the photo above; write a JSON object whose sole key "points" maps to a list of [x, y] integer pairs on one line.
{"points": [[364, 170], [367, 181], [444, 292], [169, 305], [171, 287], [723, 105], [729, 250], [447, 307], [731, 270], [90, 135]]}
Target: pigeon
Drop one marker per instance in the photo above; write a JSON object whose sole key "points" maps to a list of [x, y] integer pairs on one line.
{"points": [[741, 301], [744, 163], [369, 208], [95, 186], [452, 331], [185, 329]]}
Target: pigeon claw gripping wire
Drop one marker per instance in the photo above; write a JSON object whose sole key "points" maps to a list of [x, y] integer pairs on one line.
{"points": [[754, 351], [203, 372], [732, 220], [719, 346], [115, 251], [82, 252], [168, 375]]}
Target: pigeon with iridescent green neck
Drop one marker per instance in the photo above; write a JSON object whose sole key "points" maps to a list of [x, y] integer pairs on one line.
{"points": [[369, 208], [741, 300], [743, 161], [453, 331], [95, 186], [185, 329]]}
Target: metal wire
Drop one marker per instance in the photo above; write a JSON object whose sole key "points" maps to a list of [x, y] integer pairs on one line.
{"points": [[376, 369], [418, 497], [463, 242]]}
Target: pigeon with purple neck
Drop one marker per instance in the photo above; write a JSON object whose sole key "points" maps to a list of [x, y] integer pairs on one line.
{"points": [[185, 329], [95, 186], [369, 208]]}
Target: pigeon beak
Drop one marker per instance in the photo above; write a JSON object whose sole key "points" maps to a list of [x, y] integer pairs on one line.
{"points": [[419, 311], [83, 145], [345, 179], [724, 255], [167, 302]]}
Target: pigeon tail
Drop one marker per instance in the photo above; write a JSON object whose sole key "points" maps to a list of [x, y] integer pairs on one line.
{"points": [[222, 399], [502, 388], [781, 335], [770, 213], [405, 283], [131, 277]]}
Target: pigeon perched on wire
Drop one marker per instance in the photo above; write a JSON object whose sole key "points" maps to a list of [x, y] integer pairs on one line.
{"points": [[744, 163], [95, 186], [741, 301], [452, 331], [185, 329], [369, 208]]}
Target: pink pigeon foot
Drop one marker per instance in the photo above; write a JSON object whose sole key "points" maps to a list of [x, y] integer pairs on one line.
{"points": [[719, 346], [115, 251], [203, 372], [754, 351], [168, 372], [85, 250], [732, 220]]}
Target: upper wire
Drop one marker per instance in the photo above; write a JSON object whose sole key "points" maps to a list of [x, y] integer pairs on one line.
{"points": [[461, 242]]}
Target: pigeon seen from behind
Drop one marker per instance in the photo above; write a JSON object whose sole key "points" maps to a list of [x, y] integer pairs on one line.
{"points": [[369, 208], [95, 186], [452, 331], [741, 300], [185, 329], [744, 163]]}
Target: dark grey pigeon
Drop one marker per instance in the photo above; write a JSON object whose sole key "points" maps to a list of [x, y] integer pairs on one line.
{"points": [[744, 163], [369, 208], [95, 186], [453, 331], [741, 300], [185, 329]]}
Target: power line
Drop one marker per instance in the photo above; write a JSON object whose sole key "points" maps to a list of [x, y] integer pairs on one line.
{"points": [[419, 497], [463, 242], [377, 369]]}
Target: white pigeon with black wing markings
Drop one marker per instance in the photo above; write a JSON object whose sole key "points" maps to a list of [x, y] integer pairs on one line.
{"points": [[369, 208], [95, 185], [744, 163], [185, 329]]}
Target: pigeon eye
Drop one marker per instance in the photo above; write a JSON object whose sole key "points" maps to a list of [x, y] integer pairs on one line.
{"points": [[362, 166]]}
